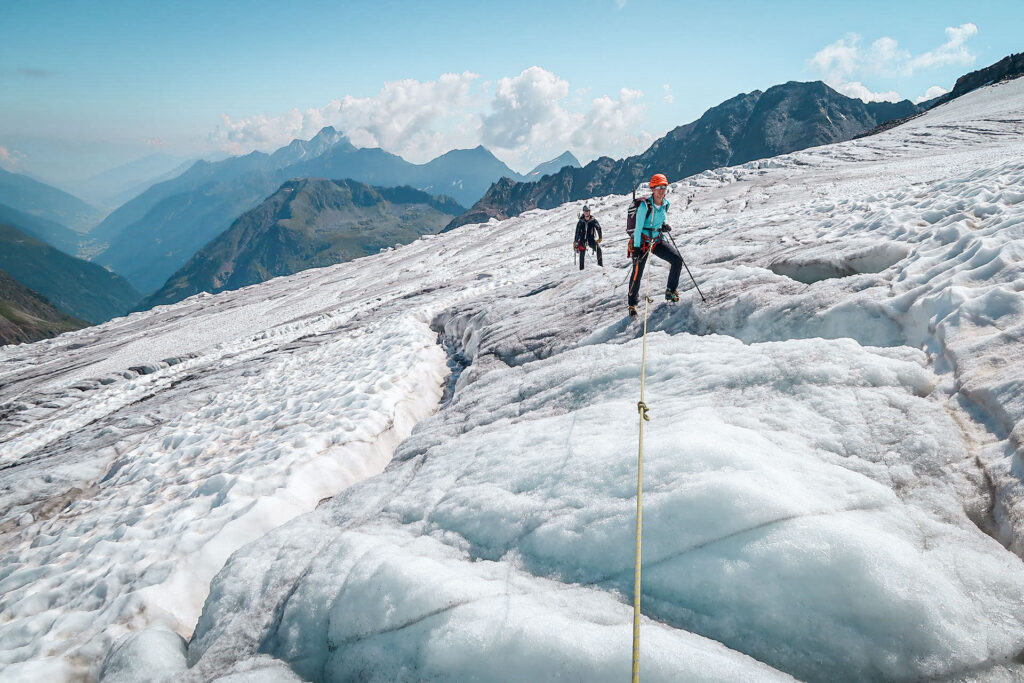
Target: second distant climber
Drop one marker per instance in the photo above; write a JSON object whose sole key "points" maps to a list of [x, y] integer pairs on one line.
{"points": [[588, 234]]}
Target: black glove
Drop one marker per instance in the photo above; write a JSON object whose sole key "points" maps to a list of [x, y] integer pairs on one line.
{"points": [[666, 227]]}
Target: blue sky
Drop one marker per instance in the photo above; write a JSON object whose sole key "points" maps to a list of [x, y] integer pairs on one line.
{"points": [[110, 81]]}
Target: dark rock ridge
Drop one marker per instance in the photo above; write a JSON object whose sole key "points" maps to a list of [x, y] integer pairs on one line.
{"points": [[1005, 69], [155, 234], [76, 287], [755, 125], [27, 317], [307, 223]]}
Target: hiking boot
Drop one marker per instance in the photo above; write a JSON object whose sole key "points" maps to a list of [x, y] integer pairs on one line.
{"points": [[671, 295], [632, 312]]}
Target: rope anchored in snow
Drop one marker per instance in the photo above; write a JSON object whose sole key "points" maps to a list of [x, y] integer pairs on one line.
{"points": [[644, 417]]}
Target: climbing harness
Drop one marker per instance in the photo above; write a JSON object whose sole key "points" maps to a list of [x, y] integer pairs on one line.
{"points": [[644, 417]]}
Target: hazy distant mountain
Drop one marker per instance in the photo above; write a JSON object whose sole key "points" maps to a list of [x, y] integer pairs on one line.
{"points": [[463, 174], [27, 317], [45, 201], [754, 125], [154, 234], [82, 289], [307, 223], [115, 186], [54, 234], [177, 226], [554, 166]]}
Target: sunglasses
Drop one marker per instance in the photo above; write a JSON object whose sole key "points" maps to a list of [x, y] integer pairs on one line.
{"points": [[660, 187]]}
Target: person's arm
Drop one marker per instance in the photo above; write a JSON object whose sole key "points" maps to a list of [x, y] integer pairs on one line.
{"points": [[597, 228], [641, 216]]}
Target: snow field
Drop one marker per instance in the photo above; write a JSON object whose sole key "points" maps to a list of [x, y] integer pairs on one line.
{"points": [[781, 532], [828, 470], [815, 502], [247, 451]]}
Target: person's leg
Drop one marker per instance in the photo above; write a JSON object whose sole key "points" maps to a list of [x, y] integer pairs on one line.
{"points": [[597, 250], [583, 255], [636, 274], [668, 252]]}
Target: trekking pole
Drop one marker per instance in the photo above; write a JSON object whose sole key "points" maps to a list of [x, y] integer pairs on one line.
{"points": [[687, 267]]}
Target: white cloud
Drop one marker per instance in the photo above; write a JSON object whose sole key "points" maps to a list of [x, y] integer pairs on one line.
{"points": [[611, 127], [405, 118], [953, 51], [844, 64], [529, 122], [885, 56], [668, 94], [839, 59], [526, 110], [524, 119], [10, 161], [861, 91], [154, 142], [931, 94]]}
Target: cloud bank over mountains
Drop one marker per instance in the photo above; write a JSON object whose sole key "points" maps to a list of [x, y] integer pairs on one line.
{"points": [[845, 62], [535, 115], [525, 119]]}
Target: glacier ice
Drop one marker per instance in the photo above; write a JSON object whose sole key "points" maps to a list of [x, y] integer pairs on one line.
{"points": [[833, 489]]}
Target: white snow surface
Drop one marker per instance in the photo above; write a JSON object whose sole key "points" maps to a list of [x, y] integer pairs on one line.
{"points": [[833, 486]]}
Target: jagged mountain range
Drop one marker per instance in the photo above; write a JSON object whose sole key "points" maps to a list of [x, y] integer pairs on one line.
{"points": [[76, 287], [27, 317], [157, 232], [754, 125], [566, 158], [307, 223]]}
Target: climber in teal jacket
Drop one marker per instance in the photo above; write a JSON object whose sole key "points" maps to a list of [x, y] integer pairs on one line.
{"points": [[650, 226]]}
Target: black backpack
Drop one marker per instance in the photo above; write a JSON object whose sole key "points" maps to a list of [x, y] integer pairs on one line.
{"points": [[631, 213]]}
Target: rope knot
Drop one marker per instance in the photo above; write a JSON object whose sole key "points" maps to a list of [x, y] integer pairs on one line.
{"points": [[642, 409]]}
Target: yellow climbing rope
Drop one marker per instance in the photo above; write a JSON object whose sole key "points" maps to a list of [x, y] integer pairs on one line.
{"points": [[644, 417]]}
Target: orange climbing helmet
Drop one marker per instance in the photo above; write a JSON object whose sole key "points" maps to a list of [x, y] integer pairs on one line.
{"points": [[658, 179]]}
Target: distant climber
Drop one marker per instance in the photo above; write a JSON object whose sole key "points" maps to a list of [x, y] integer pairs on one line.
{"points": [[650, 225], [588, 233]]}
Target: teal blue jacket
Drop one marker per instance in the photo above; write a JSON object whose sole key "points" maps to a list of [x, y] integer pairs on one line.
{"points": [[649, 225]]}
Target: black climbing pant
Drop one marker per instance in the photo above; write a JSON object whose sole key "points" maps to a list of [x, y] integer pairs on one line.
{"points": [[663, 251], [597, 249]]}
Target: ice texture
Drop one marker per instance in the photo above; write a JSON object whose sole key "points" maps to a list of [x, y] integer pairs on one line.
{"points": [[833, 488]]}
